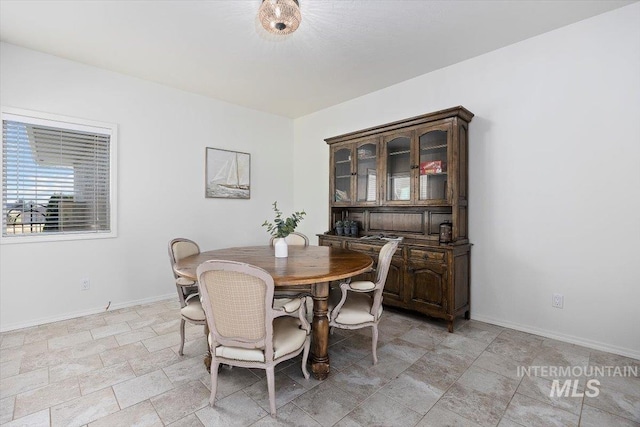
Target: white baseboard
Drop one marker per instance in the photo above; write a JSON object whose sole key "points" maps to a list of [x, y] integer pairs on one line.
{"points": [[596, 345], [73, 315]]}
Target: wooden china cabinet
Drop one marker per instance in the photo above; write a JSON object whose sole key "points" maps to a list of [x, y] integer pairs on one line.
{"points": [[405, 179]]}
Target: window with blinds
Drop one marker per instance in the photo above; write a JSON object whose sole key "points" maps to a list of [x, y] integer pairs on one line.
{"points": [[56, 178]]}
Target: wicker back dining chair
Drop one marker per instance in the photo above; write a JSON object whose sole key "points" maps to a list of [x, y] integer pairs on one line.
{"points": [[358, 304], [246, 330]]}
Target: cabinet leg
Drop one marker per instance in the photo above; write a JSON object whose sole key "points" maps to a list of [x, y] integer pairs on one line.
{"points": [[450, 326], [467, 314]]}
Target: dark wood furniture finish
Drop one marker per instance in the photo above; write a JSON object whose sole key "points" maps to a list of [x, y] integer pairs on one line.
{"points": [[309, 269], [405, 179]]}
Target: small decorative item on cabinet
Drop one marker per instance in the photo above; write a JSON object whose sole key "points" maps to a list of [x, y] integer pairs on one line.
{"points": [[446, 232], [347, 227], [339, 228], [354, 228]]}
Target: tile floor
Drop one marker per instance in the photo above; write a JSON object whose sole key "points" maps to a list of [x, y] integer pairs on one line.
{"points": [[122, 368]]}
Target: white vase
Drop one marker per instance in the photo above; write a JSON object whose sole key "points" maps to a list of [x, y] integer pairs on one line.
{"points": [[282, 249]]}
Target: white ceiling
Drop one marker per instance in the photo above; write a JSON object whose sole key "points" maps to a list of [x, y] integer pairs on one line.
{"points": [[342, 50]]}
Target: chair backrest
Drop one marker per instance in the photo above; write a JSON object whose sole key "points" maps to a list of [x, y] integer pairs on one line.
{"points": [[294, 239], [384, 262], [237, 299], [181, 248]]}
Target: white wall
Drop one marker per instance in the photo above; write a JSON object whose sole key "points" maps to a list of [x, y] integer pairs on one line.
{"points": [[163, 133], [554, 175]]}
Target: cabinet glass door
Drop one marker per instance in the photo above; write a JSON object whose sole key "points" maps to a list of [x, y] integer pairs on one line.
{"points": [[342, 175], [399, 169], [433, 166], [367, 179]]}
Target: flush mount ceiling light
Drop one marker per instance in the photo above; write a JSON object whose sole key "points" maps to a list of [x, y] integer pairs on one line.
{"points": [[280, 16]]}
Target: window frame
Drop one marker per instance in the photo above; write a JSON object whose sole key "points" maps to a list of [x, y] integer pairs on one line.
{"points": [[71, 123]]}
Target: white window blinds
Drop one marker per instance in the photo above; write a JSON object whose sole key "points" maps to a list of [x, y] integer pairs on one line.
{"points": [[55, 178]]}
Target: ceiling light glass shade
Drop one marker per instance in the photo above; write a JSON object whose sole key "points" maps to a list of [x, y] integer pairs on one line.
{"points": [[280, 16]]}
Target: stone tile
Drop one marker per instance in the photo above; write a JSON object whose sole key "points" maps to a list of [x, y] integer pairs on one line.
{"points": [[43, 359], [520, 350], [92, 347], [74, 367], [69, 340], [615, 402], [235, 410], [141, 388], [481, 408], [135, 336], [464, 344], [12, 339], [24, 382], [439, 417], [594, 417], [6, 409], [530, 412], [540, 389], [417, 336], [601, 358], [85, 409], [360, 382], [489, 383], [115, 318], [109, 330], [166, 327], [162, 341], [114, 356], [153, 361], [144, 322], [478, 331], [193, 332], [181, 401], [105, 377], [86, 323], [382, 411], [286, 390], [288, 415], [42, 398], [499, 364], [39, 419], [349, 351], [326, 404], [9, 368], [231, 380], [440, 368], [18, 353], [186, 371], [190, 420], [141, 415], [413, 390], [197, 347], [44, 333]]}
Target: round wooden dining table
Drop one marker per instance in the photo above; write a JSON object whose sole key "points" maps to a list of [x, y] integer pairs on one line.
{"points": [[306, 269]]}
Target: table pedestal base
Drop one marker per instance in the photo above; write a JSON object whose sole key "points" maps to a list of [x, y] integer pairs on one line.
{"points": [[320, 331]]}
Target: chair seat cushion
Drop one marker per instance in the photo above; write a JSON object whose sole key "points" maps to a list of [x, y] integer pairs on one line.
{"points": [[362, 285], [356, 309], [287, 338], [193, 310], [289, 305], [183, 281]]}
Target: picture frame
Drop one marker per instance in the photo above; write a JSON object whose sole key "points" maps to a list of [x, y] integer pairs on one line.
{"points": [[227, 174]]}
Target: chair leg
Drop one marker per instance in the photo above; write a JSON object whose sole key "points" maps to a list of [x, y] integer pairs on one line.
{"points": [[272, 390], [214, 382], [181, 351], [305, 355], [374, 342]]}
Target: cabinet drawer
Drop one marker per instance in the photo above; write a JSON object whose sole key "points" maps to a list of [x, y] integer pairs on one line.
{"points": [[421, 254], [332, 243], [363, 247]]}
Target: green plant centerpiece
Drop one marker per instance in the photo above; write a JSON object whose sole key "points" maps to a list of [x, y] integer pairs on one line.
{"points": [[281, 228]]}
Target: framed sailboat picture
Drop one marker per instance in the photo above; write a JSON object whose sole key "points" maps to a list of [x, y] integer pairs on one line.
{"points": [[227, 174]]}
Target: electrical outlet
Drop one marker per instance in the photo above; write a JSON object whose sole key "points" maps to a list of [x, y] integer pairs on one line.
{"points": [[85, 284], [557, 300]]}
